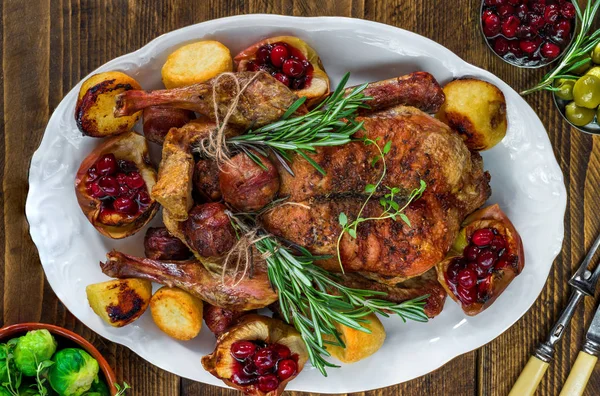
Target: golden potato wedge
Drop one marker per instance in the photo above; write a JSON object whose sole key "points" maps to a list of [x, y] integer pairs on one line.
{"points": [[476, 110], [121, 301], [196, 63], [359, 345], [177, 313], [96, 103]]}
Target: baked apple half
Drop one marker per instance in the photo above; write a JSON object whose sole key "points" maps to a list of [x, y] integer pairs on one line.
{"points": [[257, 355], [485, 257], [292, 62], [113, 184]]}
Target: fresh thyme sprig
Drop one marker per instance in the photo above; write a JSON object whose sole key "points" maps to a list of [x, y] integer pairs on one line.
{"points": [[312, 299], [122, 389], [578, 53], [331, 124]]}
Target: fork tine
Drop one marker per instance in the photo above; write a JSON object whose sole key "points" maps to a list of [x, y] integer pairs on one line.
{"points": [[590, 256]]}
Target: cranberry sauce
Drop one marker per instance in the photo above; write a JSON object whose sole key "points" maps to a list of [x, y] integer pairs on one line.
{"points": [[284, 62], [469, 276], [528, 32], [265, 366], [119, 185]]}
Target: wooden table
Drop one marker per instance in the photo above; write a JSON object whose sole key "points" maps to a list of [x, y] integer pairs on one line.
{"points": [[47, 46]]}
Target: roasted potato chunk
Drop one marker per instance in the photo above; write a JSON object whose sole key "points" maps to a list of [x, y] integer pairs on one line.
{"points": [[359, 345], [196, 63], [476, 110], [119, 302], [96, 103], [177, 313]]}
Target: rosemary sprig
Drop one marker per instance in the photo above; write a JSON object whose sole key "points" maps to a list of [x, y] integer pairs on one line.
{"points": [[578, 53], [313, 300], [391, 208], [331, 124]]}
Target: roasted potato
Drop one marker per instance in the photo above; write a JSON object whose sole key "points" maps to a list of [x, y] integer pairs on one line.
{"points": [[476, 110], [196, 63], [121, 301], [359, 345], [177, 313], [96, 102]]}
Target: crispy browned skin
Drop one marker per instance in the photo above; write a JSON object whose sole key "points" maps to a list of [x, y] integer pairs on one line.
{"points": [[219, 319], [418, 89], [422, 149], [193, 277], [391, 249], [407, 290], [263, 101]]}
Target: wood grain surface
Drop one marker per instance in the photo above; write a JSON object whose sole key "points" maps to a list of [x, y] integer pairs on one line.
{"points": [[47, 46]]}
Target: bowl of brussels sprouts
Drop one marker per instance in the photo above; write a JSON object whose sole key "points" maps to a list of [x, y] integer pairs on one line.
{"points": [[38, 359]]}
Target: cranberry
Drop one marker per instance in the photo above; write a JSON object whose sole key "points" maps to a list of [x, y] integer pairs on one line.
{"points": [[486, 259], [491, 25], [125, 205], [95, 191], [262, 55], [536, 22], [250, 368], [107, 164], [298, 83], [109, 185], [144, 198], [293, 68], [551, 13], [568, 10], [282, 351], [286, 368], [539, 7], [513, 47], [92, 173], [563, 28], [514, 2], [483, 289], [264, 359], [453, 270], [121, 177], [282, 78], [529, 46], [471, 252], [498, 242], [252, 66], [525, 31], [242, 349], [242, 379], [124, 191], [279, 54], [134, 180], [505, 10], [127, 166], [467, 278], [480, 271], [482, 237], [268, 383], [510, 25], [522, 12], [466, 296]]}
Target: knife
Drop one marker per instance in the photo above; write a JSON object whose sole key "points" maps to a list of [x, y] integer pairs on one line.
{"points": [[583, 283], [586, 360]]}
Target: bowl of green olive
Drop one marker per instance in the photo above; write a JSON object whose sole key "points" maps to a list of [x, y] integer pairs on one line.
{"points": [[577, 95]]}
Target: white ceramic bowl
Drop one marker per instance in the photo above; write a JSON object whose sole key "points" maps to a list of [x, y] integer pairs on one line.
{"points": [[526, 182]]}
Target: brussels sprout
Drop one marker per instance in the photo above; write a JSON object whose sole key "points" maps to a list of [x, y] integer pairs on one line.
{"points": [[33, 348], [98, 388], [73, 372], [3, 370], [4, 391]]}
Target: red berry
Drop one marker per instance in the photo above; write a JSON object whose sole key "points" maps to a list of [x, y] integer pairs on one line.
{"points": [[551, 13], [482, 237], [491, 25], [498, 242], [264, 359], [109, 185], [92, 173], [286, 368], [134, 180], [563, 28], [125, 205], [243, 379], [452, 271], [282, 351], [568, 10], [298, 83], [293, 68], [466, 296], [262, 55], [510, 25], [252, 66], [467, 278], [144, 198], [522, 12], [95, 191], [536, 22], [483, 289], [242, 349], [525, 31], [513, 48], [529, 46], [539, 7], [471, 251], [514, 2], [486, 259], [282, 78], [268, 383], [505, 11], [107, 164], [279, 54]]}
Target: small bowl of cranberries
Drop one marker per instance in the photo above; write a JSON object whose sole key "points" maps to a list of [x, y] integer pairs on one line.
{"points": [[528, 33], [257, 355], [113, 186]]}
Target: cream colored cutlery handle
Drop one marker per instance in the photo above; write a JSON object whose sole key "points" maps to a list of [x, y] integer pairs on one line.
{"points": [[530, 378], [579, 375]]}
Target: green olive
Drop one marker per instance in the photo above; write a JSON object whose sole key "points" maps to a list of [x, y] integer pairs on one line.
{"points": [[586, 91], [565, 89], [594, 71], [596, 54], [579, 116], [583, 68]]}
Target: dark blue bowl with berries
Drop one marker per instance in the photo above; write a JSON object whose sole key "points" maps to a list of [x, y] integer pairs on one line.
{"points": [[528, 33]]}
